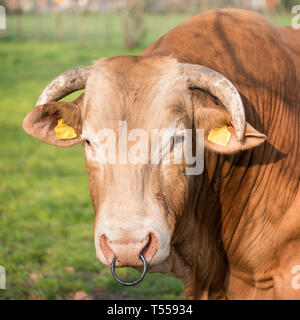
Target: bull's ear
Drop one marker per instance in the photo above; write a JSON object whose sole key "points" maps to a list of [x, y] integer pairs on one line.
{"points": [[57, 123], [219, 133]]}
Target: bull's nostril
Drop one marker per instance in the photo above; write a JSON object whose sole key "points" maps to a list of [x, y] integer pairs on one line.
{"points": [[106, 250], [151, 247]]}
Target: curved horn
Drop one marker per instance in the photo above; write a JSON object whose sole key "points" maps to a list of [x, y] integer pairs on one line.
{"points": [[219, 86], [66, 83]]}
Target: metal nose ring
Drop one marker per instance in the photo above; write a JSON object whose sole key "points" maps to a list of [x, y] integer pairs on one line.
{"points": [[131, 283]]}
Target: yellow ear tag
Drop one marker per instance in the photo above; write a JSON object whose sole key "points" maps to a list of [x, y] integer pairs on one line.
{"points": [[220, 135], [63, 131]]}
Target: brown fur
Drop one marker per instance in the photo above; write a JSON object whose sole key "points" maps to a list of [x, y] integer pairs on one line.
{"points": [[235, 228], [248, 207]]}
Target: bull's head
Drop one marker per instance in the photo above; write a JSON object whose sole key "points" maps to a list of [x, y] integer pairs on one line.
{"points": [[141, 207]]}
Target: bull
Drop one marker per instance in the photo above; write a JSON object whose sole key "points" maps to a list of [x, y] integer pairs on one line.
{"points": [[233, 231]]}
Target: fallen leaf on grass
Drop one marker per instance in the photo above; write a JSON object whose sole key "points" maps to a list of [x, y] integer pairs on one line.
{"points": [[34, 276], [81, 295], [69, 269]]}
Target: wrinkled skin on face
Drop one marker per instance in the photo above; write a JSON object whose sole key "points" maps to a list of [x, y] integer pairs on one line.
{"points": [[133, 201]]}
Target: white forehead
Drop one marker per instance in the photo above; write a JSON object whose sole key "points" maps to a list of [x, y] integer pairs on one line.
{"points": [[111, 93], [106, 84]]}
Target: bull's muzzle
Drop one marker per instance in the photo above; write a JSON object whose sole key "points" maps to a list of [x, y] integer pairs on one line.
{"points": [[129, 252]]}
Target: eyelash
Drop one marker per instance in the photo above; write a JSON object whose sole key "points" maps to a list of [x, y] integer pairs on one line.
{"points": [[87, 141], [89, 146]]}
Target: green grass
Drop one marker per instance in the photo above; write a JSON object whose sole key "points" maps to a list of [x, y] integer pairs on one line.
{"points": [[95, 27], [46, 216]]}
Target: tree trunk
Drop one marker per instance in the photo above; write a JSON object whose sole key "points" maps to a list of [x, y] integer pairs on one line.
{"points": [[38, 20], [19, 27], [82, 28], [133, 23], [58, 26], [108, 17], [204, 6], [19, 22]]}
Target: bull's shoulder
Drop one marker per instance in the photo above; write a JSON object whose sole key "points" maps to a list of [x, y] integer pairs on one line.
{"points": [[292, 38], [215, 30]]}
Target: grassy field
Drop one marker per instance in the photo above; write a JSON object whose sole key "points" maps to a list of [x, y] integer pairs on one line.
{"points": [[46, 216], [96, 28]]}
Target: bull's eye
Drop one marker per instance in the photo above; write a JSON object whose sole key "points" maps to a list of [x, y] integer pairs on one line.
{"points": [[88, 144], [86, 140], [175, 142], [89, 147], [178, 138]]}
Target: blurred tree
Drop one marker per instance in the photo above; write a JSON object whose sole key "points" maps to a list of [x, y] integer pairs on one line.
{"points": [[38, 19], [82, 6], [288, 4], [108, 16], [133, 22], [204, 6], [19, 22], [58, 21]]}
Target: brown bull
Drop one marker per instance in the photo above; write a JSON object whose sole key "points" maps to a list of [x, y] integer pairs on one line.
{"points": [[234, 230]]}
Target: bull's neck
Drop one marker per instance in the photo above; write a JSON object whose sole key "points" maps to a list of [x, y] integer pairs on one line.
{"points": [[221, 204]]}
